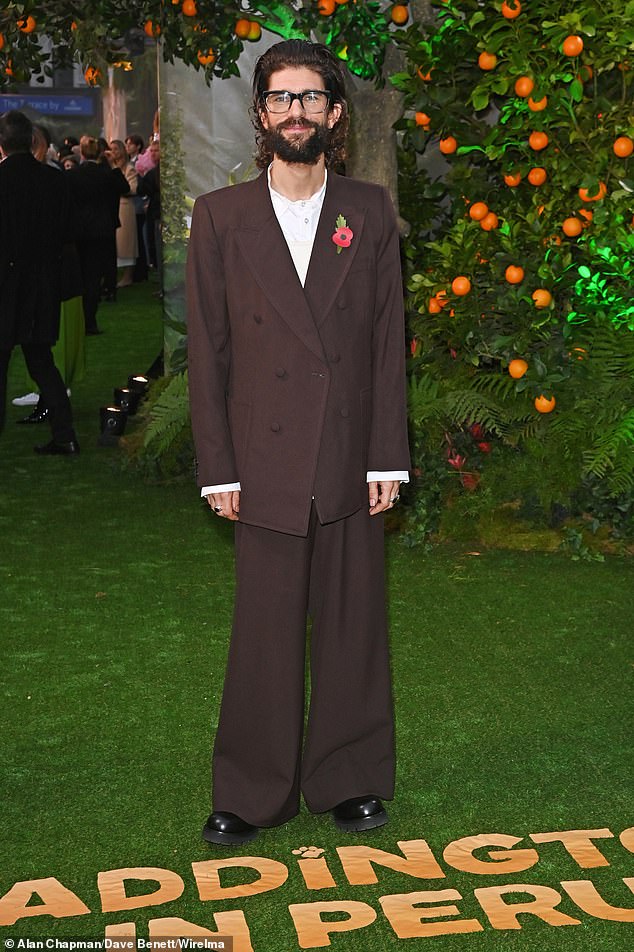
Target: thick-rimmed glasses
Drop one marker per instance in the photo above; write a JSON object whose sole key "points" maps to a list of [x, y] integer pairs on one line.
{"points": [[312, 101]]}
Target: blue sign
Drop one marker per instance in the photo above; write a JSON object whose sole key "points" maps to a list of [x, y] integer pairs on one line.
{"points": [[49, 104]]}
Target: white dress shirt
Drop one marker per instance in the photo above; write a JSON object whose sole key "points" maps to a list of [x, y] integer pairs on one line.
{"points": [[298, 221]]}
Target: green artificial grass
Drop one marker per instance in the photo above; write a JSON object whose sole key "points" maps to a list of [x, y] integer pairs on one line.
{"points": [[512, 679]]}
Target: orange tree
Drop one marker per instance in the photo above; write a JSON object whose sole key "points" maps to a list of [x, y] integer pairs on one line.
{"points": [[521, 301], [208, 35]]}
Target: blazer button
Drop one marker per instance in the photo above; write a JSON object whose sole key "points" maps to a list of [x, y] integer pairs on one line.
{"points": [[280, 372], [275, 427], [345, 412], [335, 358], [257, 318]]}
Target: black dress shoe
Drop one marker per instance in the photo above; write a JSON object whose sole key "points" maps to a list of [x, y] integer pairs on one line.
{"points": [[359, 813], [93, 331], [58, 449], [228, 829], [36, 415]]}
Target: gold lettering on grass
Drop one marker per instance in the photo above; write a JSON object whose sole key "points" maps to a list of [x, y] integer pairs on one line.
{"points": [[313, 932], [405, 915], [111, 886], [579, 845], [459, 854], [57, 901], [419, 861], [503, 915], [207, 874], [584, 894]]}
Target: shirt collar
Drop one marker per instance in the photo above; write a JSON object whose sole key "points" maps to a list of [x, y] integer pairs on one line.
{"points": [[315, 199]]}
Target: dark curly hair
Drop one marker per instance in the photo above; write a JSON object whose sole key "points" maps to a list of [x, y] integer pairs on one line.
{"points": [[293, 54]]}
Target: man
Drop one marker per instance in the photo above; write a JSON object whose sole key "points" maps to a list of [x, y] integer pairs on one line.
{"points": [[34, 225], [96, 189], [296, 364]]}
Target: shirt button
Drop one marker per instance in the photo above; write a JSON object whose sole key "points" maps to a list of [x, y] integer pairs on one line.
{"points": [[305, 221], [275, 427], [345, 412], [280, 372]]}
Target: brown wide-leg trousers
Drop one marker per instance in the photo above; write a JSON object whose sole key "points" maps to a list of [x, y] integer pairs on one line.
{"points": [[335, 574]]}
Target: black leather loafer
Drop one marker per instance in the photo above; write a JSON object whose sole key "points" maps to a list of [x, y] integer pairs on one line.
{"points": [[228, 830], [58, 449], [35, 416], [359, 813]]}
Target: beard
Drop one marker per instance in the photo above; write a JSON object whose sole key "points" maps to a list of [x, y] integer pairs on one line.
{"points": [[302, 149]]}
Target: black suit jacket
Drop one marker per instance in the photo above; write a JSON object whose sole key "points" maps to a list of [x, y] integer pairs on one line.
{"points": [[296, 392], [35, 222]]}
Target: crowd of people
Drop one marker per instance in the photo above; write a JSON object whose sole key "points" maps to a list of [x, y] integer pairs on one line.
{"points": [[89, 214]]}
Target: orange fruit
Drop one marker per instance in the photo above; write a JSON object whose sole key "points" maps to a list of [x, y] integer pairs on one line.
{"points": [[537, 176], [538, 141], [572, 45], [205, 59], [489, 222], [544, 405], [255, 31], [9, 68], [441, 297], [542, 297], [517, 368], [73, 25], [419, 72], [326, 7], [26, 24], [487, 61], [151, 30], [524, 86], [537, 106], [434, 306], [1, 40], [461, 285], [399, 14], [572, 227], [189, 8], [512, 10], [340, 3], [596, 196], [422, 119], [513, 179], [586, 213], [242, 27], [448, 145], [91, 75], [478, 211], [623, 146], [514, 274], [585, 74]]}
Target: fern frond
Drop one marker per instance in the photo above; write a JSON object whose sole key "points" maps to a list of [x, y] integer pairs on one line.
{"points": [[169, 415]]}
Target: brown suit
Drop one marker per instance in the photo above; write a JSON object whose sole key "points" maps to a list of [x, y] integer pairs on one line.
{"points": [[296, 393]]}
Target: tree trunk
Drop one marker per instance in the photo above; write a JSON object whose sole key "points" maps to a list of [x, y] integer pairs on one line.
{"points": [[372, 140]]}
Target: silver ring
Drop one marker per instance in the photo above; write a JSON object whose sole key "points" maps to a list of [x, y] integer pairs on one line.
{"points": [[217, 508], [395, 498]]}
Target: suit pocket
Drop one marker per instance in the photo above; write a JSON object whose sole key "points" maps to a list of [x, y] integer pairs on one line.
{"points": [[239, 415]]}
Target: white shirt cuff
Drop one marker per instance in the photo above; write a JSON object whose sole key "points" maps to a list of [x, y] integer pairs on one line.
{"points": [[221, 488], [375, 476]]}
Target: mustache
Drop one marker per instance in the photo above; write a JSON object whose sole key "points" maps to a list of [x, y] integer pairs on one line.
{"points": [[290, 123]]}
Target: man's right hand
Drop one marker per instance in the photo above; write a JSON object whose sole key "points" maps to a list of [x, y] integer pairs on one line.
{"points": [[226, 505]]}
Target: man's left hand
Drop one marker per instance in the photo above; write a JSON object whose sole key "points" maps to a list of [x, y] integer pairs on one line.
{"points": [[382, 495]]}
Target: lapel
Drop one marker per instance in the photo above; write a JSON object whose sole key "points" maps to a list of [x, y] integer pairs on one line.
{"points": [[266, 253], [327, 270]]}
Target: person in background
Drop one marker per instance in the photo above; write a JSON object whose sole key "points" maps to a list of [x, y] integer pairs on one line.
{"points": [[35, 222], [134, 147], [96, 189], [127, 245], [69, 351], [150, 187]]}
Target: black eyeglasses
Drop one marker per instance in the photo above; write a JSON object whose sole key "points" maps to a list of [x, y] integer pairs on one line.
{"points": [[312, 101]]}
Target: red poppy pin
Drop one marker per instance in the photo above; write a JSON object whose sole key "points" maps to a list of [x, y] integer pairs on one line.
{"points": [[343, 235]]}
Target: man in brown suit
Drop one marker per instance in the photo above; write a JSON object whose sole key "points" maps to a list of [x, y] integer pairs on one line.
{"points": [[296, 370]]}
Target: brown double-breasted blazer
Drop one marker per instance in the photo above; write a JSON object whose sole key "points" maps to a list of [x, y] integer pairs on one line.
{"points": [[295, 391]]}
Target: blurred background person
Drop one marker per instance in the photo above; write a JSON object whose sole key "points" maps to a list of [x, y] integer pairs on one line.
{"points": [[35, 222], [127, 245]]}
